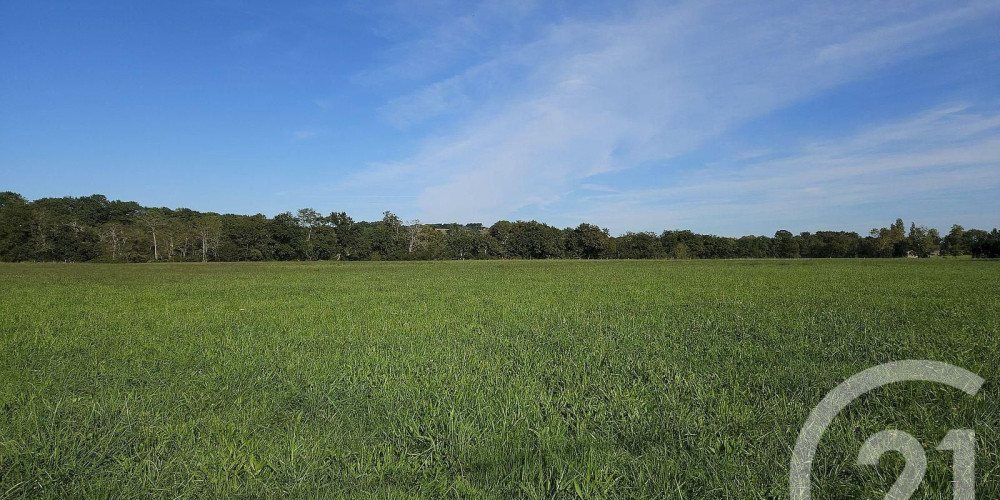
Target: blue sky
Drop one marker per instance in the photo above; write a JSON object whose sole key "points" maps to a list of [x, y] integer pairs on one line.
{"points": [[723, 117]]}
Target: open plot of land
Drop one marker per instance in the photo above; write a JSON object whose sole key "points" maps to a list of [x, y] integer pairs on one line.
{"points": [[542, 379]]}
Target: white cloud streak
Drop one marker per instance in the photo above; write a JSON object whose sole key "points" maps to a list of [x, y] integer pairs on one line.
{"points": [[945, 154], [538, 119]]}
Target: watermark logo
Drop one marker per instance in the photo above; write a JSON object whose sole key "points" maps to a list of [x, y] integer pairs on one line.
{"points": [[960, 441]]}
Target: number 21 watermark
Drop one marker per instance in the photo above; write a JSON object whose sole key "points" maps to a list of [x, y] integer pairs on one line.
{"points": [[961, 442]]}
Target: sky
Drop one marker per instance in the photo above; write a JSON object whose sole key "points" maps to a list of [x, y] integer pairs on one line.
{"points": [[724, 117]]}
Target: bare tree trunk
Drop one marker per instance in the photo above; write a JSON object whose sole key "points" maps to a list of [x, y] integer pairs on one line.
{"points": [[156, 251], [414, 230]]}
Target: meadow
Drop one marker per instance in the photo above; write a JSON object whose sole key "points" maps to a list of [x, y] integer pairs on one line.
{"points": [[487, 379]]}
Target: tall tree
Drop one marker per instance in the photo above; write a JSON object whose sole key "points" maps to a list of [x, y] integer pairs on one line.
{"points": [[414, 235], [209, 230], [308, 219], [388, 241], [786, 247], [640, 246], [347, 236], [587, 241], [955, 240], [501, 231], [15, 228], [113, 236], [153, 219]]}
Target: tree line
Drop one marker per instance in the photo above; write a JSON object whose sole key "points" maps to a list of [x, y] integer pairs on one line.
{"points": [[95, 229]]}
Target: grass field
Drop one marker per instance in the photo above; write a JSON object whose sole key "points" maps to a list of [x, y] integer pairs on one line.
{"points": [[542, 379]]}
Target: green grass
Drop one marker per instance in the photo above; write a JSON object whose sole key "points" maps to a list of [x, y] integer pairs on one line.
{"points": [[544, 379]]}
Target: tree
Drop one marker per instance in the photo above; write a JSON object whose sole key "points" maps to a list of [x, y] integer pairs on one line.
{"points": [[534, 240], [717, 247], [324, 242], [414, 235], [785, 245], [350, 243], [955, 241], [15, 228], [754, 247], [587, 241], [286, 238], [975, 241], [834, 244], [42, 234], [897, 238], [245, 238], [93, 227], [879, 243], [932, 243], [501, 232], [484, 245], [990, 245], [387, 241], [640, 246], [309, 221], [153, 219], [459, 242], [433, 245], [693, 244], [209, 230], [175, 233], [392, 223], [112, 235], [680, 251]]}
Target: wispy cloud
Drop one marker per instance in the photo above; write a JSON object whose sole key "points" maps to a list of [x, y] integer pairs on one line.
{"points": [[445, 96], [301, 135], [529, 125], [886, 42], [947, 154], [442, 34], [247, 38]]}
